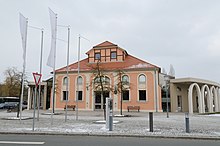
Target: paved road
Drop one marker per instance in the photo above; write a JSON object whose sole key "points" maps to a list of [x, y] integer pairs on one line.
{"points": [[59, 140]]}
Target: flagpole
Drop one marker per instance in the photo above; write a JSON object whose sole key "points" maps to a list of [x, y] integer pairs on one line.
{"points": [[67, 73], [24, 64], [41, 54], [54, 63], [77, 93]]}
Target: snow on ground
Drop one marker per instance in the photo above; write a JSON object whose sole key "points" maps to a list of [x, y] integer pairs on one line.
{"points": [[135, 124], [17, 118], [214, 115], [104, 122]]}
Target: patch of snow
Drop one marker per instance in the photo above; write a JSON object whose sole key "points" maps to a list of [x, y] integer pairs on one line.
{"points": [[104, 128], [52, 113], [22, 129], [217, 133], [73, 69], [140, 65], [122, 115], [119, 115], [17, 118], [214, 115], [100, 122], [103, 122]]}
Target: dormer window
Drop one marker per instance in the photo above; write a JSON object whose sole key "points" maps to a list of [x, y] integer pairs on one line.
{"points": [[97, 56], [113, 55]]}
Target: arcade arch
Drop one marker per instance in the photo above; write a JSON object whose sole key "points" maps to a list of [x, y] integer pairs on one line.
{"points": [[190, 99], [205, 92]]}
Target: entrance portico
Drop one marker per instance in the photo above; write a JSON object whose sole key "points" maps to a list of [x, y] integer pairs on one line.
{"points": [[197, 95]]}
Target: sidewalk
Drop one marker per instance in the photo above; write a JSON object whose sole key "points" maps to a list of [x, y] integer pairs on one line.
{"points": [[201, 126]]}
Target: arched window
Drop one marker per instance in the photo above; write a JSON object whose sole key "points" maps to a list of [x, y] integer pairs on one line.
{"points": [[65, 93], [79, 80], [104, 79], [142, 79], [65, 81], [142, 88], [125, 79]]}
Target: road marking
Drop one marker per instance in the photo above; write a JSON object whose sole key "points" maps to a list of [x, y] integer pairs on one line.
{"points": [[21, 142]]}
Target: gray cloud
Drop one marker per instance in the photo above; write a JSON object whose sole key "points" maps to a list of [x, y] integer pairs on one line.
{"points": [[183, 33]]}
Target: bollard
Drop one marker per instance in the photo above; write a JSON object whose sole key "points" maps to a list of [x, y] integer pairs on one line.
{"points": [[187, 122], [107, 113], [151, 121], [110, 120]]}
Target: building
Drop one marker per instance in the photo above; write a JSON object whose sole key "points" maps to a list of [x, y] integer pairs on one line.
{"points": [[165, 91], [194, 95], [138, 82], [45, 94], [118, 71]]}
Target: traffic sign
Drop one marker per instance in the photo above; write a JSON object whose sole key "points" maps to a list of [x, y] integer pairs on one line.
{"points": [[37, 78]]}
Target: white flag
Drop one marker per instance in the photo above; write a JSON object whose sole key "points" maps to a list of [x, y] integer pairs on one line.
{"points": [[53, 21], [23, 30]]}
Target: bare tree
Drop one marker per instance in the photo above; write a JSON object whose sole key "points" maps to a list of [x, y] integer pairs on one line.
{"points": [[100, 83], [12, 84], [121, 86]]}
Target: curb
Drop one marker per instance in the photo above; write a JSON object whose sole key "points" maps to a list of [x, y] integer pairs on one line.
{"points": [[114, 135]]}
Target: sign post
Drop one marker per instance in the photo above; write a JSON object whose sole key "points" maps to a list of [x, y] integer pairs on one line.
{"points": [[37, 78]]}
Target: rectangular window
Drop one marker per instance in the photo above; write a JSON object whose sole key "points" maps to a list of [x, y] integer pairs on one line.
{"points": [[97, 56], [142, 95], [80, 95], [65, 93], [125, 95], [113, 55]]}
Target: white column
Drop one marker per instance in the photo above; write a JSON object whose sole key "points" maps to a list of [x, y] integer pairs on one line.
{"points": [[156, 107], [218, 96], [29, 96], [190, 99], [216, 99], [157, 91], [45, 97], [203, 97], [211, 98]]}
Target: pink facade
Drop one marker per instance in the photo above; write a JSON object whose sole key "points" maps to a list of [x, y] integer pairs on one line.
{"points": [[139, 78]]}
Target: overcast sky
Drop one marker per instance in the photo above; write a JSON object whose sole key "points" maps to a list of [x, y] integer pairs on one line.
{"points": [[184, 33]]}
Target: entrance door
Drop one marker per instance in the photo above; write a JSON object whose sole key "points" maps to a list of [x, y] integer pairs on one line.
{"points": [[99, 102], [179, 102]]}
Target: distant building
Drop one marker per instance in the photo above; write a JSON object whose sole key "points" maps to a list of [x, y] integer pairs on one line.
{"points": [[45, 94]]}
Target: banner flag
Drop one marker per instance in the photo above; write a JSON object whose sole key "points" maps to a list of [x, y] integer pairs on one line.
{"points": [[23, 30], [53, 21]]}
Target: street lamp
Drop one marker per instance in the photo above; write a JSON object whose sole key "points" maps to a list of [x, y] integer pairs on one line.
{"points": [[167, 79]]}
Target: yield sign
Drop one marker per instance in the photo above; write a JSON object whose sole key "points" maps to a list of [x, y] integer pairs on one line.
{"points": [[37, 78]]}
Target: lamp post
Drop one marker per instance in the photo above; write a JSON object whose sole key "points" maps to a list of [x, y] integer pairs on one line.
{"points": [[167, 78]]}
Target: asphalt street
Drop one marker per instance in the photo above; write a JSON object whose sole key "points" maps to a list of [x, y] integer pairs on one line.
{"points": [[62, 140]]}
